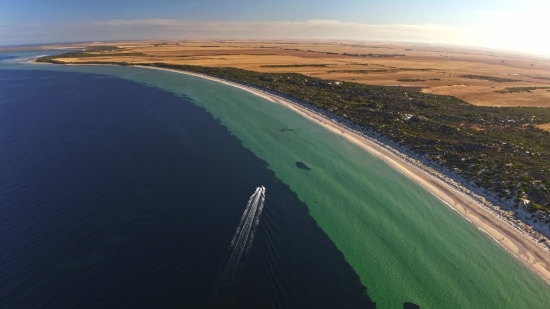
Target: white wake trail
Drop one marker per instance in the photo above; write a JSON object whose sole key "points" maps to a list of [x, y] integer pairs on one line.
{"points": [[244, 234], [247, 209], [256, 219]]}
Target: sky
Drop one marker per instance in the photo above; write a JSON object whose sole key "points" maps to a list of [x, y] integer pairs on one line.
{"points": [[501, 24]]}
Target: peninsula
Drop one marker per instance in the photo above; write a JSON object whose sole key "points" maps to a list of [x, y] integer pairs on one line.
{"points": [[488, 163]]}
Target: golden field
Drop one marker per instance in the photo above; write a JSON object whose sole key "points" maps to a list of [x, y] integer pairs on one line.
{"points": [[434, 69]]}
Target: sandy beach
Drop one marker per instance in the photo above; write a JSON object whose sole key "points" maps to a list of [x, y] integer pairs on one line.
{"points": [[473, 207]]}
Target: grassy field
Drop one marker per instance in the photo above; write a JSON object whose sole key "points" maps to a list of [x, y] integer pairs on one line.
{"points": [[474, 76]]}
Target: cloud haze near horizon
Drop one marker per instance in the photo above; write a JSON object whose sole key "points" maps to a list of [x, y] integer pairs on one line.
{"points": [[136, 29], [498, 24]]}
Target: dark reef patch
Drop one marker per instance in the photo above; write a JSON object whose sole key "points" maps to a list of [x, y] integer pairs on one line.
{"points": [[408, 305], [302, 166]]}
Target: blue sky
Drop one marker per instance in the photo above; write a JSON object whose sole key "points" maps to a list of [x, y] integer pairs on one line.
{"points": [[360, 11], [469, 22]]}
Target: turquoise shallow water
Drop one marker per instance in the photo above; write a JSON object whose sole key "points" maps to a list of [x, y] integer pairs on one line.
{"points": [[403, 242]]}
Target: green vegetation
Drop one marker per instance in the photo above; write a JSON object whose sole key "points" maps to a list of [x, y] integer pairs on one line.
{"points": [[419, 69], [49, 59], [520, 89], [497, 148], [411, 80], [293, 65], [491, 78], [391, 69], [360, 71], [84, 54], [540, 77], [348, 54], [374, 55], [102, 48]]}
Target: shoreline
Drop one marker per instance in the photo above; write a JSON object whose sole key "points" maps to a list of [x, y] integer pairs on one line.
{"points": [[472, 206]]}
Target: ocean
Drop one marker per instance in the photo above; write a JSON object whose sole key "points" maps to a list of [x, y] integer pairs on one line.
{"points": [[123, 187]]}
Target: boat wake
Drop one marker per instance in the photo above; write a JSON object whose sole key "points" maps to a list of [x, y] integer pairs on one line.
{"points": [[243, 237]]}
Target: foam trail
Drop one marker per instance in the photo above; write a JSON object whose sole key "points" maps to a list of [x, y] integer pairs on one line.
{"points": [[243, 235], [247, 209], [256, 220]]}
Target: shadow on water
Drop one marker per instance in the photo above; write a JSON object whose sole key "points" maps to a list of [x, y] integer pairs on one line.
{"points": [[119, 195]]}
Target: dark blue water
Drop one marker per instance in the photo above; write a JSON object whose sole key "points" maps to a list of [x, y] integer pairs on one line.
{"points": [[118, 195], [3, 57]]}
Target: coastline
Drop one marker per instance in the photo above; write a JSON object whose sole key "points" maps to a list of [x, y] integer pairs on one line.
{"points": [[474, 204], [512, 235]]}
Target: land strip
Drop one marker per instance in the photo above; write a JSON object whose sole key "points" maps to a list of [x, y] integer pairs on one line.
{"points": [[468, 74], [510, 235], [466, 147], [498, 149]]}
